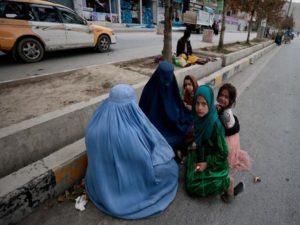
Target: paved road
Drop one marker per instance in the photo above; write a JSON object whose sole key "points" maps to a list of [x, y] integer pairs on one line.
{"points": [[129, 46], [268, 108]]}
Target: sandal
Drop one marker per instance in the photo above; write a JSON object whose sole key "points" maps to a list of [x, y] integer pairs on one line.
{"points": [[239, 188]]}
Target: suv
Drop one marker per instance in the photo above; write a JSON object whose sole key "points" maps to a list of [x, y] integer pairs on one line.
{"points": [[28, 28]]}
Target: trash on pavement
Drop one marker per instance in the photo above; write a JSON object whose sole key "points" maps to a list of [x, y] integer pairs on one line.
{"points": [[256, 179], [81, 201]]}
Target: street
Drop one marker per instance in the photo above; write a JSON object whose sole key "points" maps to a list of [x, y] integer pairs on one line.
{"points": [[268, 108], [129, 46]]}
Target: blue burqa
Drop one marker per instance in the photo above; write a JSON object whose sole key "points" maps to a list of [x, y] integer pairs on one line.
{"points": [[162, 103], [131, 170]]}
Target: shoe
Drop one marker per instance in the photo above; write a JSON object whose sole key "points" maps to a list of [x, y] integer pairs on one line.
{"points": [[239, 188], [227, 198]]}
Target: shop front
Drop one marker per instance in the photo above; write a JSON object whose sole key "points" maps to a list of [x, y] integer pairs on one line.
{"points": [[119, 11], [101, 10], [146, 12], [177, 9]]}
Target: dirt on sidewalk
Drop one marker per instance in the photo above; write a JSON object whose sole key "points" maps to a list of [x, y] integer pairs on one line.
{"points": [[29, 100]]}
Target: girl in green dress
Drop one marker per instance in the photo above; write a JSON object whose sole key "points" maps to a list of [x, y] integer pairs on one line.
{"points": [[207, 165]]}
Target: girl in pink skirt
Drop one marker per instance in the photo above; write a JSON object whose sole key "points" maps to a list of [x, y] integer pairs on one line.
{"points": [[238, 159]]}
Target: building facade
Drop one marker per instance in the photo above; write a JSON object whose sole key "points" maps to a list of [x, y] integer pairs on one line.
{"points": [[124, 11]]}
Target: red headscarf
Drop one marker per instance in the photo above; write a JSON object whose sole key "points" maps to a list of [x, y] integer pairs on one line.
{"points": [[186, 96]]}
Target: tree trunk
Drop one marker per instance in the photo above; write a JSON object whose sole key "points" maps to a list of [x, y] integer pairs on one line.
{"points": [[259, 30], [167, 49], [250, 26], [221, 39]]}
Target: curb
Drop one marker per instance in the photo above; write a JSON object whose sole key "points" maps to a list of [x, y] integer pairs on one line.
{"points": [[21, 192], [25, 189]]}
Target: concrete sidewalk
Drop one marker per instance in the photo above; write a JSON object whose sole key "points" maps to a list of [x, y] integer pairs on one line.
{"points": [[22, 191], [54, 213]]}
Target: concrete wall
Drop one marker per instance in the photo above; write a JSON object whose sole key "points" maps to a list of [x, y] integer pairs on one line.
{"points": [[24, 190], [230, 58]]}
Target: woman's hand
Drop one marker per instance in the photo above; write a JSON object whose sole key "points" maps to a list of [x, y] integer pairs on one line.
{"points": [[200, 167]]}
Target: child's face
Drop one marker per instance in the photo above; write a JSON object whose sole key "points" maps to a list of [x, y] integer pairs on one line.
{"points": [[188, 86], [223, 98], [201, 106]]}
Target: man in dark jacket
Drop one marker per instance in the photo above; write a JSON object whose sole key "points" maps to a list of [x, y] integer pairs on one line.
{"points": [[184, 44]]}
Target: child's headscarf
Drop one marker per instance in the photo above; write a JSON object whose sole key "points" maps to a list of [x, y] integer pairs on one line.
{"points": [[204, 125], [186, 97]]}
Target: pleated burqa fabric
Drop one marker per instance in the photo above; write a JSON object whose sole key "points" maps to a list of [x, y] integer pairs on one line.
{"points": [[162, 103], [131, 170]]}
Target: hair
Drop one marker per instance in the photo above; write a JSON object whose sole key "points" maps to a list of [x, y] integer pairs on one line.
{"points": [[192, 79], [188, 77], [231, 91]]}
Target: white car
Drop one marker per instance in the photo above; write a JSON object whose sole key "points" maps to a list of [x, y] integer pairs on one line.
{"points": [[31, 27]]}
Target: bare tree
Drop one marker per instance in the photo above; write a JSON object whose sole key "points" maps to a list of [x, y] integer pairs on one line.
{"points": [[221, 39], [167, 49], [261, 9]]}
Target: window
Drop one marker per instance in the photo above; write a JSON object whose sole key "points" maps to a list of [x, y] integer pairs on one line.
{"points": [[15, 10], [45, 13], [70, 17]]}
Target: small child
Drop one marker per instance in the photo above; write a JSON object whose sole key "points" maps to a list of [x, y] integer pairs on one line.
{"points": [[207, 166], [190, 85], [238, 159]]}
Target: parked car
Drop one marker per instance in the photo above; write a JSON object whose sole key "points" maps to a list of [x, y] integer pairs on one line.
{"points": [[28, 28]]}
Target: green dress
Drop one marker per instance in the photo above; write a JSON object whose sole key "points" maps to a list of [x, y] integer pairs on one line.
{"points": [[215, 179]]}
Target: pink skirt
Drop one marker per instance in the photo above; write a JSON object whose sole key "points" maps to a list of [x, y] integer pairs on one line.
{"points": [[238, 159]]}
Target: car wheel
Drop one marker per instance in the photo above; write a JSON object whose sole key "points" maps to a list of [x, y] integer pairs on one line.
{"points": [[30, 50], [103, 43]]}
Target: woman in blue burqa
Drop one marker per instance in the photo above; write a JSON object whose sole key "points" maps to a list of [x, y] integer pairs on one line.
{"points": [[131, 171], [162, 103]]}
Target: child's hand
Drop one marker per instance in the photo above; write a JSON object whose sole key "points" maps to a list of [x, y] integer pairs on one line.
{"points": [[188, 107], [200, 167], [219, 107]]}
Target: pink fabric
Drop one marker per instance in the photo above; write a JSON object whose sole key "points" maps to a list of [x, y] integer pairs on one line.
{"points": [[238, 159]]}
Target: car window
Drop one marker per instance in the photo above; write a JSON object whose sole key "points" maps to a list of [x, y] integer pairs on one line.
{"points": [[15, 10], [70, 17], [45, 13]]}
